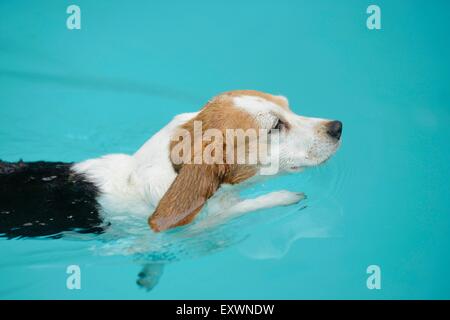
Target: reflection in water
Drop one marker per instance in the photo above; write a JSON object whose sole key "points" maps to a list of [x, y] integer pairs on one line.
{"points": [[267, 234], [322, 217]]}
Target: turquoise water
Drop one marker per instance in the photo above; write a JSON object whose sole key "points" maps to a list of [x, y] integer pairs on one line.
{"points": [[70, 95]]}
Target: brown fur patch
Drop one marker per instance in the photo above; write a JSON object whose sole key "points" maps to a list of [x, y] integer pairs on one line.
{"points": [[219, 114], [196, 183], [267, 96]]}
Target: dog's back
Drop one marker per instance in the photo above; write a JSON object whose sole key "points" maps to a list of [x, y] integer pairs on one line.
{"points": [[45, 199]]}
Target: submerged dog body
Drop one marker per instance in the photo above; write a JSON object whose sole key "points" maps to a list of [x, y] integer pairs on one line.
{"points": [[151, 184]]}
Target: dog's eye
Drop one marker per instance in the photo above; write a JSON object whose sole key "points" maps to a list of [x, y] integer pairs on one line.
{"points": [[279, 125]]}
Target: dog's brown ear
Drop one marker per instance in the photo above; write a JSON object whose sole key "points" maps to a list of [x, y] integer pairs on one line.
{"points": [[193, 186]]}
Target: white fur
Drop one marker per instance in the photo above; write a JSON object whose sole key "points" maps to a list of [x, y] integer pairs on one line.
{"points": [[134, 184], [305, 144]]}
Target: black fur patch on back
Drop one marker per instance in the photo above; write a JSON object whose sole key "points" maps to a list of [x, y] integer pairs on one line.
{"points": [[45, 199]]}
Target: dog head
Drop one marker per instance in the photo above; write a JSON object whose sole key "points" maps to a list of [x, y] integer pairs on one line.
{"points": [[237, 135]]}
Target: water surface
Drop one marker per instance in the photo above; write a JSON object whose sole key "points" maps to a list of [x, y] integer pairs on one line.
{"points": [[383, 199]]}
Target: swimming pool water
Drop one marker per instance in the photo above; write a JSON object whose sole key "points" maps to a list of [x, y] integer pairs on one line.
{"points": [[69, 95]]}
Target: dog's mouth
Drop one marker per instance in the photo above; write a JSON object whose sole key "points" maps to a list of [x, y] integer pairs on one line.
{"points": [[320, 155], [331, 154]]}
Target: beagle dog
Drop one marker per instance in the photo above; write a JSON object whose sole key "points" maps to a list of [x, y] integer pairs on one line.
{"points": [[165, 183]]}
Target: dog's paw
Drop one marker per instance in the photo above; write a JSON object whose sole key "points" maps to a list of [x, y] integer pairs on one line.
{"points": [[146, 283], [149, 277], [287, 198]]}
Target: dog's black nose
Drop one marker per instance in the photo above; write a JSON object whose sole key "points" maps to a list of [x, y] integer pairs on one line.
{"points": [[334, 129]]}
